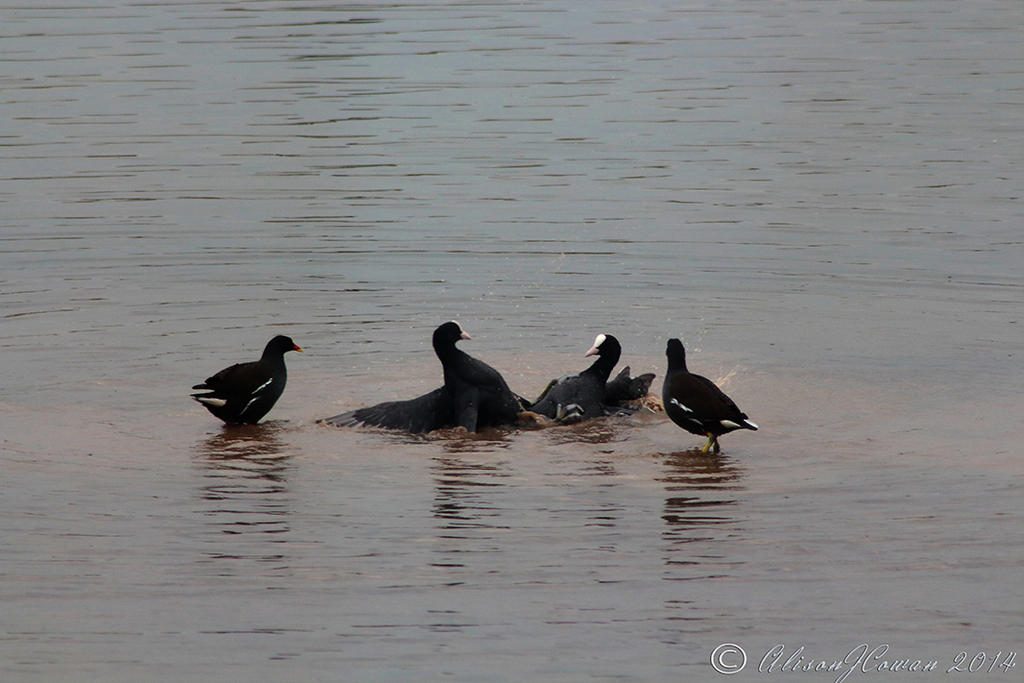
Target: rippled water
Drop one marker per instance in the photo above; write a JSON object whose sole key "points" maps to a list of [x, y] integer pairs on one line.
{"points": [[822, 199]]}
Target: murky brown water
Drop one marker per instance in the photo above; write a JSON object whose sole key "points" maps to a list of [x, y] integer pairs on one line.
{"points": [[822, 199]]}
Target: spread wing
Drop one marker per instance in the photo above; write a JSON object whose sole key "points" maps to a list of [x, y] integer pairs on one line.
{"points": [[433, 410]]}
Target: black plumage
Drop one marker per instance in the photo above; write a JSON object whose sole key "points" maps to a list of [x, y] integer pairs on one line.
{"points": [[623, 388], [582, 396], [433, 410], [474, 395], [243, 393], [695, 403]]}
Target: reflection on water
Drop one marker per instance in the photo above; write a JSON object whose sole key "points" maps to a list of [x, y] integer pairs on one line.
{"points": [[600, 468], [605, 507], [465, 509], [696, 510], [597, 431], [245, 473], [460, 488], [459, 441], [354, 173]]}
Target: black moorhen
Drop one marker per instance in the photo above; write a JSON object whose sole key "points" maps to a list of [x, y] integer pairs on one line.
{"points": [[245, 392], [696, 404]]}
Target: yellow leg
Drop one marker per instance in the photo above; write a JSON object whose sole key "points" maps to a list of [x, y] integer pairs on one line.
{"points": [[711, 445]]}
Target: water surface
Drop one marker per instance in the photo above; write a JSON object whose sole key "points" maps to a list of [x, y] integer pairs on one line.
{"points": [[821, 199]]}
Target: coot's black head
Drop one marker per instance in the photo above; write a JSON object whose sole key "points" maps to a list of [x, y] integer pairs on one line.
{"points": [[605, 345], [676, 354], [446, 335], [280, 345]]}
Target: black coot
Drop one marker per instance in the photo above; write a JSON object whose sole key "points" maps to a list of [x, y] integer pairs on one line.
{"points": [[474, 395], [623, 388], [582, 396]]}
